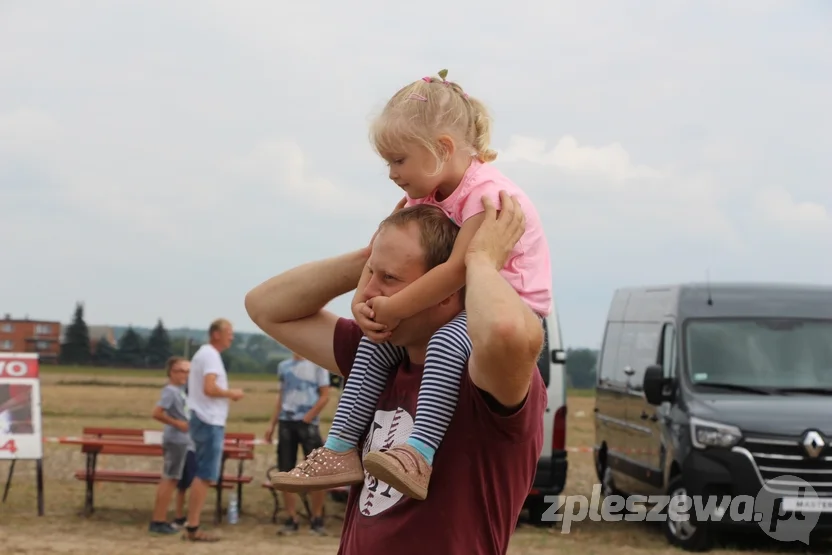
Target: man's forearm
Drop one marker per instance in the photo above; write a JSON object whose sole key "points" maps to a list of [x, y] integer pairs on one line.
{"points": [[303, 291]]}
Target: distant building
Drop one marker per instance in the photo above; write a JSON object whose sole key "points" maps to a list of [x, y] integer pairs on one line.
{"points": [[31, 336]]}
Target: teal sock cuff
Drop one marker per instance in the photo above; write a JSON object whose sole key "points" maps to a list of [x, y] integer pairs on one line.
{"points": [[338, 445], [423, 448]]}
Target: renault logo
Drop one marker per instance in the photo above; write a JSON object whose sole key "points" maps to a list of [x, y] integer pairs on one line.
{"points": [[813, 443]]}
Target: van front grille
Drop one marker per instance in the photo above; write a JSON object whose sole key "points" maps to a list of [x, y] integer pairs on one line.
{"points": [[781, 459]]}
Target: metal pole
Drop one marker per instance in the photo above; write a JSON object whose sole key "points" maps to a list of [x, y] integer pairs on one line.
{"points": [[9, 480]]}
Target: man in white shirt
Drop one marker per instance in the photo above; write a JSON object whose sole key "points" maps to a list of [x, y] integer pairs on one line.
{"points": [[208, 400]]}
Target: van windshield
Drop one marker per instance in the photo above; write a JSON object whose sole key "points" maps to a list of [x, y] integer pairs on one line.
{"points": [[760, 353]]}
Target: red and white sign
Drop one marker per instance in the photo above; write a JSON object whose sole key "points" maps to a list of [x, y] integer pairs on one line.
{"points": [[21, 434], [19, 365]]}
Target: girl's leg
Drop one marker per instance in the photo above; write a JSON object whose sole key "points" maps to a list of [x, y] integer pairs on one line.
{"points": [[407, 467], [338, 463], [447, 354], [367, 378]]}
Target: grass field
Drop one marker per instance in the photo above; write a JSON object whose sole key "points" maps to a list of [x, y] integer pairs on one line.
{"points": [[74, 398]]}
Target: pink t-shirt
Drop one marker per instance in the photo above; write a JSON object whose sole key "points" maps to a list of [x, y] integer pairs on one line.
{"points": [[528, 268]]}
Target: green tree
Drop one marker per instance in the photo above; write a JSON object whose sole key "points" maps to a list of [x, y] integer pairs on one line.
{"points": [[76, 346], [131, 351], [105, 353], [159, 347], [580, 367]]}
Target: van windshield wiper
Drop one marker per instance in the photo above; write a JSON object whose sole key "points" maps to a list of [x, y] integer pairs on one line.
{"points": [[815, 390], [737, 387]]}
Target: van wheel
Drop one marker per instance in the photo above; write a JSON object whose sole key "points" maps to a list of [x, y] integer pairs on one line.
{"points": [[608, 483], [538, 509], [685, 532], [599, 462]]}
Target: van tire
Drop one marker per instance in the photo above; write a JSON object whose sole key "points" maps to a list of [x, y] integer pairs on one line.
{"points": [[538, 508], [689, 535], [608, 483], [600, 456]]}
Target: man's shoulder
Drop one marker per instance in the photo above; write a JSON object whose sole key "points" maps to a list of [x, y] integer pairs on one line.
{"points": [[208, 357]]}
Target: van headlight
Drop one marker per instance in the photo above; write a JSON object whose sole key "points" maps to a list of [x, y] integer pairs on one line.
{"points": [[704, 433]]}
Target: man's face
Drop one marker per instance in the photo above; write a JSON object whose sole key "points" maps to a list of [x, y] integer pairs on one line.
{"points": [[396, 261], [224, 337]]}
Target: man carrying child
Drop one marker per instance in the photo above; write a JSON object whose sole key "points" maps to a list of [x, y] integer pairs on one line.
{"points": [[179, 460]]}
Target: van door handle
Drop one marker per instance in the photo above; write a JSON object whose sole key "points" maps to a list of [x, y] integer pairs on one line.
{"points": [[629, 371]]}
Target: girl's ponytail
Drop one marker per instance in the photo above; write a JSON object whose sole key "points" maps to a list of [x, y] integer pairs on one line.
{"points": [[481, 121]]}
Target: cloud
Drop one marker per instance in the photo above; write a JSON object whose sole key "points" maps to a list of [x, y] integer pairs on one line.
{"points": [[778, 206], [281, 166], [25, 130], [609, 161]]}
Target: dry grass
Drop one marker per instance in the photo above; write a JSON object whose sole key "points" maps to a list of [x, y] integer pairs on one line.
{"points": [[72, 401]]}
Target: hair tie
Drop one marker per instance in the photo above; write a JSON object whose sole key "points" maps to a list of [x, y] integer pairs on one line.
{"points": [[426, 79]]}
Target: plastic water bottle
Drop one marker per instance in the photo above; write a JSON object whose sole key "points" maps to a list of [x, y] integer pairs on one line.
{"points": [[233, 511]]}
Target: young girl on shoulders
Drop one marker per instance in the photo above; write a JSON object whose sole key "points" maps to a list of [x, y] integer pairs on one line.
{"points": [[436, 140]]}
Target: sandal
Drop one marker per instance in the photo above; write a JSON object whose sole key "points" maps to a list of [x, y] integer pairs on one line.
{"points": [[199, 536]]}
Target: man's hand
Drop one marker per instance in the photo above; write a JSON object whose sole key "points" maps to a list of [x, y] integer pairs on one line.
{"points": [[182, 426], [235, 394], [379, 306], [269, 434], [364, 316], [498, 233]]}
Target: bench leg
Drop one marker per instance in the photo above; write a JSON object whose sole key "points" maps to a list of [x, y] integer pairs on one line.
{"points": [[240, 487], [89, 499], [218, 512]]}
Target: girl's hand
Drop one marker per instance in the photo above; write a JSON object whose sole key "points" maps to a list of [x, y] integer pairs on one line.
{"points": [[381, 312], [374, 331]]}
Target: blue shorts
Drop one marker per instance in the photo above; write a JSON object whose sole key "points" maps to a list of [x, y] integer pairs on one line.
{"points": [[209, 441]]}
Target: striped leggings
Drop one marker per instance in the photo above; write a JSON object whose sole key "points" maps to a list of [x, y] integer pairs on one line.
{"points": [[447, 354]]}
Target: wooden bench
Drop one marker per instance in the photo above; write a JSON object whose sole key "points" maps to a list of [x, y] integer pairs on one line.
{"points": [[131, 442]]}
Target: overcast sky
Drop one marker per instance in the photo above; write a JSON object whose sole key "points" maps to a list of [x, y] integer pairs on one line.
{"points": [[159, 159]]}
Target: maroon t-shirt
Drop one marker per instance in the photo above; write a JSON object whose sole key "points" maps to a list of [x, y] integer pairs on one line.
{"points": [[482, 472]]}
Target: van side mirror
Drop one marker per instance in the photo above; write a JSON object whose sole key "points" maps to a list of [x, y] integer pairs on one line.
{"points": [[654, 385]]}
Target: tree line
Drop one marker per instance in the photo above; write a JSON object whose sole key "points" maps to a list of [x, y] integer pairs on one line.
{"points": [[250, 353]]}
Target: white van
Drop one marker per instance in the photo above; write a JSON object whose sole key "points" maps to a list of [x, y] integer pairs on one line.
{"points": [[552, 465]]}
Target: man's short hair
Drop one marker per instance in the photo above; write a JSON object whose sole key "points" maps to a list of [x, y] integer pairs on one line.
{"points": [[172, 362], [217, 325], [437, 231]]}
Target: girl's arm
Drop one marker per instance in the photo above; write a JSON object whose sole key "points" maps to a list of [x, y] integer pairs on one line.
{"points": [[438, 283]]}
